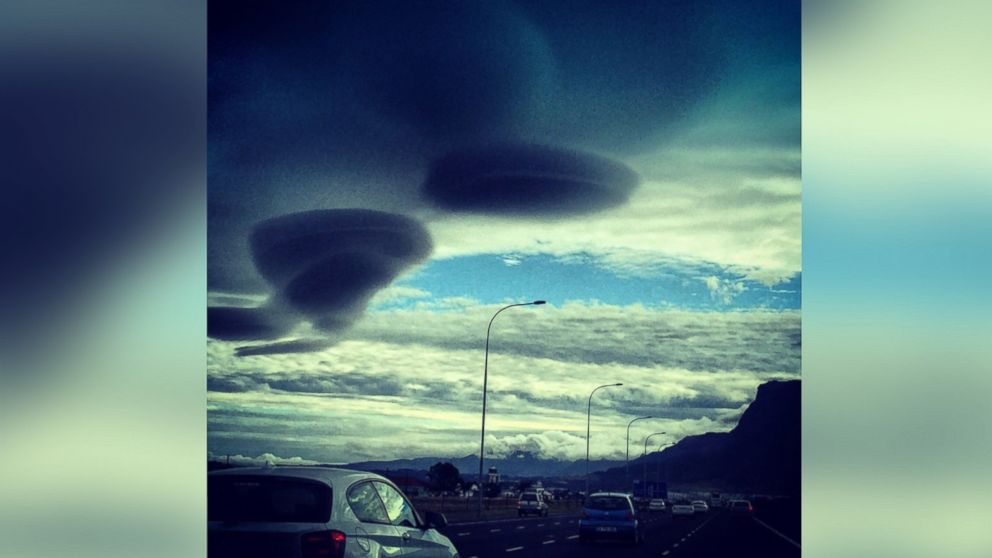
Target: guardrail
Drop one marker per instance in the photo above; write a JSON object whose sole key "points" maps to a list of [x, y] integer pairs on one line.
{"points": [[465, 509]]}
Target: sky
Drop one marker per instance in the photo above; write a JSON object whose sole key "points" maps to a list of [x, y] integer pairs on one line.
{"points": [[383, 178]]}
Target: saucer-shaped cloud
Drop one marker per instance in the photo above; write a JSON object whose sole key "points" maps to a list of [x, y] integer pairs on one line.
{"points": [[528, 180], [323, 267], [288, 246], [239, 323]]}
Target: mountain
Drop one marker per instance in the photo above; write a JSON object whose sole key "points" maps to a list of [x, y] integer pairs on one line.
{"points": [[763, 453], [518, 464]]}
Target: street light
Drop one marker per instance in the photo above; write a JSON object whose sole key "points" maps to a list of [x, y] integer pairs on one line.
{"points": [[485, 385], [644, 457], [588, 422], [626, 474]]}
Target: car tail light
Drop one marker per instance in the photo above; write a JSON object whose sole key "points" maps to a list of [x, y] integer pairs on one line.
{"points": [[750, 509], [323, 544]]}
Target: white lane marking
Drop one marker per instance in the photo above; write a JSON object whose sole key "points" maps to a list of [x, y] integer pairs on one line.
{"points": [[514, 549], [540, 525], [683, 539], [463, 534], [557, 522], [676, 545], [572, 537], [772, 529], [520, 527], [487, 521], [495, 530], [552, 541], [665, 553]]}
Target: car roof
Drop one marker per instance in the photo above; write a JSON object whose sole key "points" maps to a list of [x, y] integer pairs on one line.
{"points": [[610, 494], [329, 475]]}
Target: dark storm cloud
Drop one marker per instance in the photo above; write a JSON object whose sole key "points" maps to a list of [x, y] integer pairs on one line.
{"points": [[528, 179], [323, 266], [337, 383], [338, 104], [234, 323], [627, 73], [284, 347], [328, 263]]}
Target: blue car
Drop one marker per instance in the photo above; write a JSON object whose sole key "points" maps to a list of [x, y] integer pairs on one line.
{"points": [[610, 516]]}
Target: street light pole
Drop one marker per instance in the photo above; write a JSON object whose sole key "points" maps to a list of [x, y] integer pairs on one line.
{"points": [[485, 385], [588, 423], [644, 478], [626, 474]]}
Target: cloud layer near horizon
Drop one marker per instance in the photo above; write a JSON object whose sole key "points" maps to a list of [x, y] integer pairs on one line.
{"points": [[420, 371]]}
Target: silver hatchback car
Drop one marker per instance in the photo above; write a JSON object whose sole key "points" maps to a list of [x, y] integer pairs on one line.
{"points": [[304, 512]]}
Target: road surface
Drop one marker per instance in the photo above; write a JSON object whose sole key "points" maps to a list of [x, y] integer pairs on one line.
{"points": [[716, 534]]}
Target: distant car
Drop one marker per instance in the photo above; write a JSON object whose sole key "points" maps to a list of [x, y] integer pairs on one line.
{"points": [[610, 515], [316, 511], [700, 506], [741, 507], [656, 505], [532, 503], [682, 509]]}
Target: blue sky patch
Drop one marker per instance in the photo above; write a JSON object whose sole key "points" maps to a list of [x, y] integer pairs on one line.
{"points": [[492, 279]]}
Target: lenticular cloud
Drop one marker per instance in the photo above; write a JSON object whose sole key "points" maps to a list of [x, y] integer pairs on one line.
{"points": [[323, 267], [528, 180]]}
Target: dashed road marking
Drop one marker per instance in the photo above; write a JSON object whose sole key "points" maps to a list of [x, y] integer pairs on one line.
{"points": [[552, 541], [557, 522], [540, 525], [520, 527], [676, 545], [665, 553], [573, 537], [772, 529], [463, 534], [514, 549], [495, 530]]}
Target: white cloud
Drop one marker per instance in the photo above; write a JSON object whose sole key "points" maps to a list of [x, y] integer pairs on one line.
{"points": [[398, 293], [260, 460], [408, 382], [723, 290], [740, 209]]}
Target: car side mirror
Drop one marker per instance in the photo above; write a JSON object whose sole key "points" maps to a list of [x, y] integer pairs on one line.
{"points": [[435, 520]]}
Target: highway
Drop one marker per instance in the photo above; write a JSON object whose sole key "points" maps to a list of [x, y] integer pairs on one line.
{"points": [[717, 534]]}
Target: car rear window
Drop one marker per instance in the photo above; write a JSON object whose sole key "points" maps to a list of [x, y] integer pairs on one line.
{"points": [[529, 497], [606, 503], [267, 499]]}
